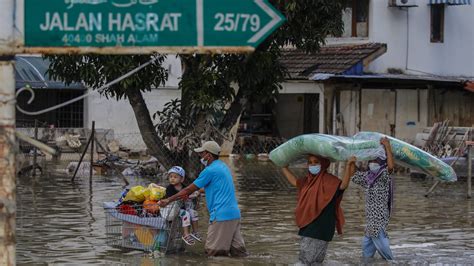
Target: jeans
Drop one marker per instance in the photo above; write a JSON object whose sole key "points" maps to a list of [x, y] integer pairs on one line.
{"points": [[379, 243]]}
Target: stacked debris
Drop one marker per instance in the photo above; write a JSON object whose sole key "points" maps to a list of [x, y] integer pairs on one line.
{"points": [[447, 143]]}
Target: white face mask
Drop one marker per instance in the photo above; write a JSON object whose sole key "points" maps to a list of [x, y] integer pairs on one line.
{"points": [[204, 162], [374, 167]]}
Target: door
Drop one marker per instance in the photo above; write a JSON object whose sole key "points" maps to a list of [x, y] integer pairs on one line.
{"points": [[311, 113]]}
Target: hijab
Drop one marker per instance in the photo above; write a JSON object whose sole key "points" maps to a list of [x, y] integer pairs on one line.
{"points": [[315, 193]]}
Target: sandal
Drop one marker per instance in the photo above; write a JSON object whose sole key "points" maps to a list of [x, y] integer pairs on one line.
{"points": [[196, 236], [189, 240]]}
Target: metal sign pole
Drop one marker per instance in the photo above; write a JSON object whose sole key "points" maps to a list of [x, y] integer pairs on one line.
{"points": [[7, 162], [7, 138], [470, 149]]}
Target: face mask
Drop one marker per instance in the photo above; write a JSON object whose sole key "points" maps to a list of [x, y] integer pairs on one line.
{"points": [[204, 162], [314, 169], [374, 167]]}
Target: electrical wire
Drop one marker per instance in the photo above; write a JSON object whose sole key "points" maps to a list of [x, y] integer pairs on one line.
{"points": [[100, 89]]}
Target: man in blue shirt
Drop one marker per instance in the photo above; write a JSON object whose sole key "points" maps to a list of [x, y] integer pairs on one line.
{"points": [[223, 233]]}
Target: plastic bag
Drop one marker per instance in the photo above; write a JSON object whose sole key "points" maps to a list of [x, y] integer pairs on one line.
{"points": [[154, 192], [334, 148], [151, 206], [410, 156], [135, 194], [365, 146]]}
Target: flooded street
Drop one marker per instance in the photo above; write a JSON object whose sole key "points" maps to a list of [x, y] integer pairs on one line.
{"points": [[62, 223]]}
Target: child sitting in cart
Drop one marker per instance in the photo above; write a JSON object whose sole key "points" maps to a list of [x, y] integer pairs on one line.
{"points": [[188, 214]]}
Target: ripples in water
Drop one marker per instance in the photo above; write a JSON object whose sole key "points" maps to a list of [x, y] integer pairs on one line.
{"points": [[63, 223]]}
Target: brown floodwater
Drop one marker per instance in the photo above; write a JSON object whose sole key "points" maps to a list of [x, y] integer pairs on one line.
{"points": [[59, 222]]}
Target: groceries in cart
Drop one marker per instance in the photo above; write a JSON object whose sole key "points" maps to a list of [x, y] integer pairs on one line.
{"points": [[143, 226], [188, 213], [136, 221], [141, 201]]}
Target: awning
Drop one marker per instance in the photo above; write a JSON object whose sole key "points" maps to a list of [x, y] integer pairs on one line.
{"points": [[32, 70], [398, 80], [450, 2], [469, 86]]}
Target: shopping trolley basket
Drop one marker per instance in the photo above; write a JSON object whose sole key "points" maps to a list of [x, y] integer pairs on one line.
{"points": [[147, 228]]}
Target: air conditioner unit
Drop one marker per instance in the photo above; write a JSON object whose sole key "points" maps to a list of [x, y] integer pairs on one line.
{"points": [[402, 3]]}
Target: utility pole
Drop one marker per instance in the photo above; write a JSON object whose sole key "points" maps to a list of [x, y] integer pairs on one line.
{"points": [[7, 162], [7, 135]]}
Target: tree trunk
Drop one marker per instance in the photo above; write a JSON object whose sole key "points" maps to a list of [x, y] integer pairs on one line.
{"points": [[192, 165], [233, 113], [190, 64], [7, 197], [154, 144]]}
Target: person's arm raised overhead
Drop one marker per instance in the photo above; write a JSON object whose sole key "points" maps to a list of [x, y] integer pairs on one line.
{"points": [[289, 175], [388, 150], [349, 171]]}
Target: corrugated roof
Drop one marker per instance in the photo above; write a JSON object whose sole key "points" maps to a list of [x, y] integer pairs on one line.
{"points": [[398, 79], [322, 77], [31, 70], [331, 59]]}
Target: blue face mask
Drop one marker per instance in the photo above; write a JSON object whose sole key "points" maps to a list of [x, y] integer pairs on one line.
{"points": [[314, 169]]}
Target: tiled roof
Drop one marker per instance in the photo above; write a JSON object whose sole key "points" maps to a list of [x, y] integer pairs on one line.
{"points": [[331, 59]]}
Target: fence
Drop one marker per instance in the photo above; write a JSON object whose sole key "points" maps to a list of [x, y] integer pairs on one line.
{"points": [[125, 155], [248, 158], [29, 160]]}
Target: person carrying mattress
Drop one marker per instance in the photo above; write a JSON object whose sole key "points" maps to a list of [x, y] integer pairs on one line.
{"points": [[378, 186], [318, 211]]}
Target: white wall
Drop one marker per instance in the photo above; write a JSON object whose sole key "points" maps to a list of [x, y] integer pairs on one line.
{"points": [[175, 71], [298, 87], [454, 57], [301, 87], [119, 116]]}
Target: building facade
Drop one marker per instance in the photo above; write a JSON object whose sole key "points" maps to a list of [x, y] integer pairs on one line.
{"points": [[420, 78]]}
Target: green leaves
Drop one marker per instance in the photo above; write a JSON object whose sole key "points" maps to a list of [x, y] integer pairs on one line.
{"points": [[309, 22], [186, 130], [206, 84], [211, 84], [98, 70]]}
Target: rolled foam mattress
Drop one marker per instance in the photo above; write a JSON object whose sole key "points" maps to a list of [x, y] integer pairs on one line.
{"points": [[365, 146]]}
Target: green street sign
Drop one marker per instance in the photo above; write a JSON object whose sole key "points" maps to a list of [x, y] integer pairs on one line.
{"points": [[149, 23]]}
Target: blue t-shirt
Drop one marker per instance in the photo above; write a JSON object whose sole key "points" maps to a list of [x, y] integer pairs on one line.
{"points": [[217, 182]]}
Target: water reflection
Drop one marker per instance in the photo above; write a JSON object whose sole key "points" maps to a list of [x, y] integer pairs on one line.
{"points": [[62, 223]]}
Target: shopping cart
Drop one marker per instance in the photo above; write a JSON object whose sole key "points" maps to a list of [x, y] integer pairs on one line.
{"points": [[148, 228]]}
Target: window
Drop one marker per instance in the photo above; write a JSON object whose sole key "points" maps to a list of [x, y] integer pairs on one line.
{"points": [[356, 18], [70, 116], [437, 23]]}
